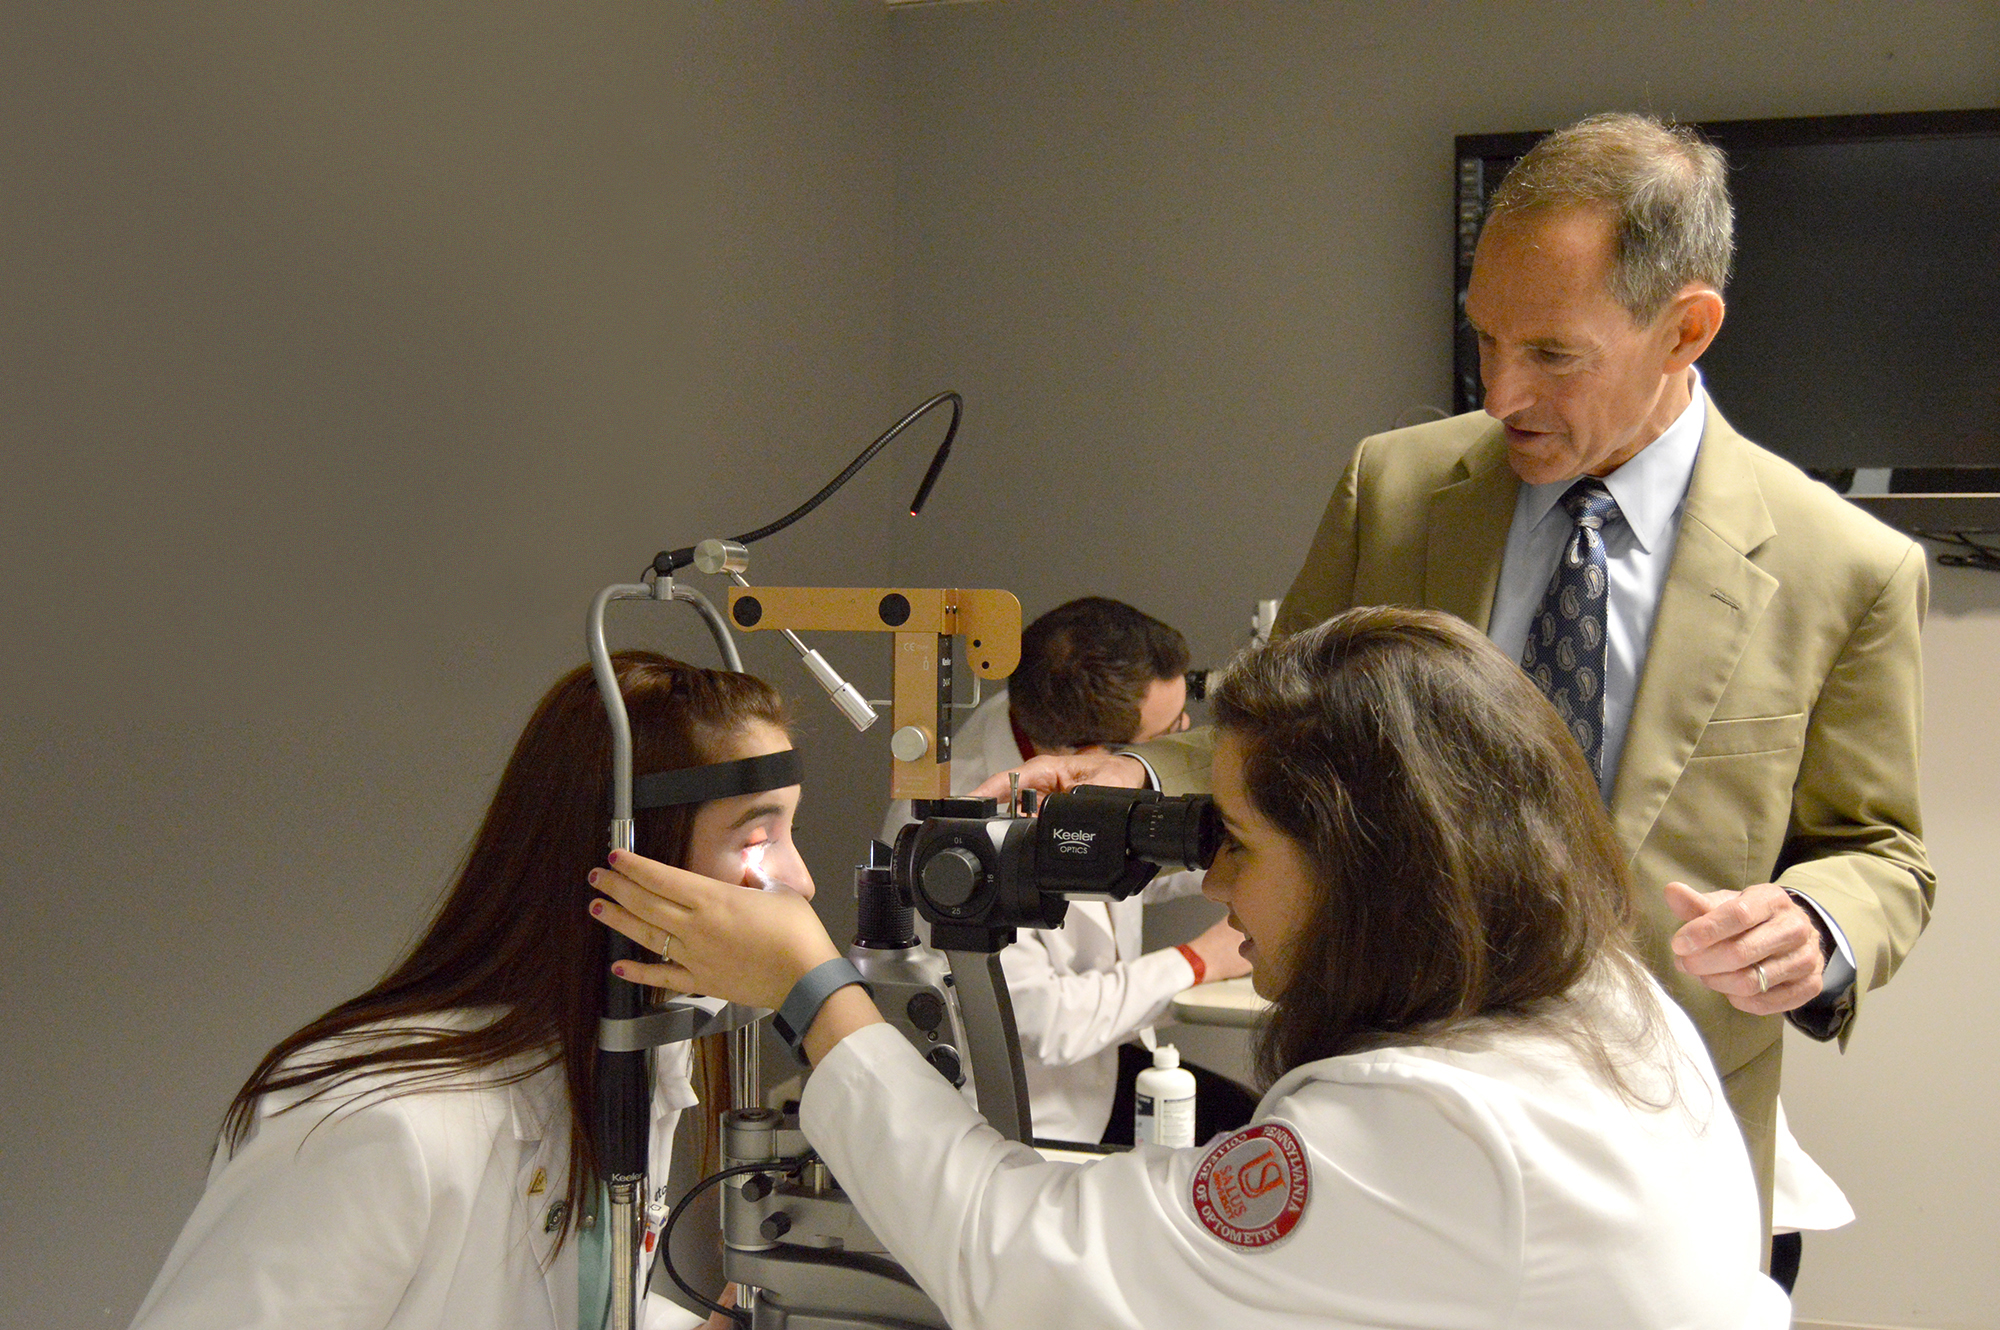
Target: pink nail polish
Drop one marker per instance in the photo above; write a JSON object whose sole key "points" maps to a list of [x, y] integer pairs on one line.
{"points": [[597, 908], [592, 876]]}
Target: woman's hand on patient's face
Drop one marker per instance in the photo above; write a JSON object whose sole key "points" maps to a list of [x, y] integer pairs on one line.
{"points": [[746, 946]]}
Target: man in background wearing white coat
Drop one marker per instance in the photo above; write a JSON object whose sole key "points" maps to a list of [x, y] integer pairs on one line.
{"points": [[1094, 672]]}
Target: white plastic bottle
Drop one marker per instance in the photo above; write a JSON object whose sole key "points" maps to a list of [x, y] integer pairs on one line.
{"points": [[1163, 1101]]}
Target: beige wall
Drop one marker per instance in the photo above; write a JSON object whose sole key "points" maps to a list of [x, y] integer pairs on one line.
{"points": [[349, 351], [1181, 257]]}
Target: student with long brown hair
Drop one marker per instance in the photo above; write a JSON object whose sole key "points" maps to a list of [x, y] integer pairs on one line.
{"points": [[424, 1154], [1484, 1111]]}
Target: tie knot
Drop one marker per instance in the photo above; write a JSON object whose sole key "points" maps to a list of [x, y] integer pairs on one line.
{"points": [[1588, 503]]}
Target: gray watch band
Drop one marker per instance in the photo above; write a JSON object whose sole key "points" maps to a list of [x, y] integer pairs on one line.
{"points": [[795, 1015]]}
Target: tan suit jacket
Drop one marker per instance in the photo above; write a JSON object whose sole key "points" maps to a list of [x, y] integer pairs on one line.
{"points": [[1774, 733]]}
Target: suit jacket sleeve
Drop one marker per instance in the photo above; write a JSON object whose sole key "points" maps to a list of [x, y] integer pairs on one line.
{"points": [[1855, 841], [1325, 584], [1323, 588]]}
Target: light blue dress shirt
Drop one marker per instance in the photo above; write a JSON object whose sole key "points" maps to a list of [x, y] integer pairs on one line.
{"points": [[1639, 545], [1651, 491]]}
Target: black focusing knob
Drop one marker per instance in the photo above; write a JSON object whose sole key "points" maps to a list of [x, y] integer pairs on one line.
{"points": [[945, 1058], [952, 877], [756, 1187], [775, 1226], [926, 1011]]}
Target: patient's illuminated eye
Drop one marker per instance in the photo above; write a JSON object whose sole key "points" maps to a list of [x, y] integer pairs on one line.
{"points": [[753, 864]]}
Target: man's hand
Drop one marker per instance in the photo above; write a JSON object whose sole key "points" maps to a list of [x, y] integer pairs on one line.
{"points": [[1728, 939], [1220, 949], [1053, 775]]}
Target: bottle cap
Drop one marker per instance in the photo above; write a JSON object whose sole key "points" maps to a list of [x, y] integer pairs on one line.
{"points": [[1166, 1055]]}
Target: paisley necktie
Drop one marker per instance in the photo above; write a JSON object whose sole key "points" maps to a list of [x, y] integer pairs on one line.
{"points": [[1566, 640]]}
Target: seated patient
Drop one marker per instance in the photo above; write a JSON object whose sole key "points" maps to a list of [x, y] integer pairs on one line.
{"points": [[1094, 672], [1484, 1111], [423, 1155]]}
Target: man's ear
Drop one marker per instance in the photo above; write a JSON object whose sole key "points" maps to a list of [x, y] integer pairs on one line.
{"points": [[1690, 321]]}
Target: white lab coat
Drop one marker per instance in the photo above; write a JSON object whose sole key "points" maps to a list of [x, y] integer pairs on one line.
{"points": [[1496, 1181], [427, 1211], [1081, 990]]}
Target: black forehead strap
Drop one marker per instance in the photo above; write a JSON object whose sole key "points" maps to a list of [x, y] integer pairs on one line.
{"points": [[719, 780]]}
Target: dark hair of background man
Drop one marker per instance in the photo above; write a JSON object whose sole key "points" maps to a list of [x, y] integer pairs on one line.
{"points": [[1085, 668]]}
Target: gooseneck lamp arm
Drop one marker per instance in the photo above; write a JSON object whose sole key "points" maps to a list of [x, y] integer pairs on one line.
{"points": [[668, 562]]}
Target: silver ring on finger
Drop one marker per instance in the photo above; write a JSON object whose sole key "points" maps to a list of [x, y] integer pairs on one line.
{"points": [[1763, 984], [666, 945]]}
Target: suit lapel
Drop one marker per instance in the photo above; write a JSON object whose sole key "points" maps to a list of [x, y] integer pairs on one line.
{"points": [[1471, 513], [1712, 601]]}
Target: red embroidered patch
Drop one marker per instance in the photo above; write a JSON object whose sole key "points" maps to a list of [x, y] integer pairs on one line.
{"points": [[1253, 1186]]}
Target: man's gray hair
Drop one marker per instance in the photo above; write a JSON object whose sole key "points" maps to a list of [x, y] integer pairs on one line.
{"points": [[1667, 190]]}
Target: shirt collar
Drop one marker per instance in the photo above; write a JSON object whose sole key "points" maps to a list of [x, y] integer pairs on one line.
{"points": [[1649, 487]]}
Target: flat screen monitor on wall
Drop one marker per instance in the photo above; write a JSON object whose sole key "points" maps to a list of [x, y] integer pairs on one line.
{"points": [[1863, 334]]}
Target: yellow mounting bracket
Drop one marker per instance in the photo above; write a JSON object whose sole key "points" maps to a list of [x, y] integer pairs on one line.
{"points": [[924, 620]]}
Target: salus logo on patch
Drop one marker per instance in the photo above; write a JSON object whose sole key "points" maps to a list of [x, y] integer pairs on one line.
{"points": [[539, 1183], [1253, 1186]]}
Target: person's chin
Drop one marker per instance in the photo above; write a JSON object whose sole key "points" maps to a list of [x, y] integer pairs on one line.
{"points": [[1262, 981], [1537, 457]]}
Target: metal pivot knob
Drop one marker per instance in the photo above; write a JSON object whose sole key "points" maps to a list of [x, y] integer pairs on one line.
{"points": [[721, 556], [949, 1065], [926, 1011], [909, 743], [952, 876]]}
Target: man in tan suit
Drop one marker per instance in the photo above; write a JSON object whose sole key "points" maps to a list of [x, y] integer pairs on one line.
{"points": [[1761, 692]]}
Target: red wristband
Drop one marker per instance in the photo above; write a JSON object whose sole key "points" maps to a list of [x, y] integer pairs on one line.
{"points": [[1193, 958]]}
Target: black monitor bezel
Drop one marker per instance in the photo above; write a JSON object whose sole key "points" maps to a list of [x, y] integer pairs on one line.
{"points": [[1724, 134]]}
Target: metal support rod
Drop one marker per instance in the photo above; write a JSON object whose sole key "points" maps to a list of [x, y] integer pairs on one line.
{"points": [[746, 1071], [994, 1043], [624, 1099], [624, 1080], [614, 701], [623, 1240], [625, 1074], [725, 641]]}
